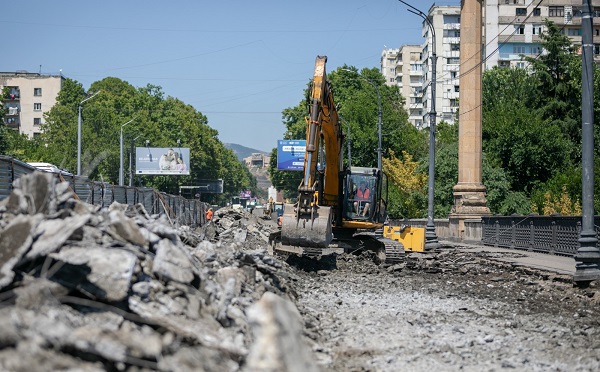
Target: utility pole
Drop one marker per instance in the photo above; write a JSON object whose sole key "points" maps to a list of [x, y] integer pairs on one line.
{"points": [[79, 134], [121, 177], [587, 259], [431, 239]]}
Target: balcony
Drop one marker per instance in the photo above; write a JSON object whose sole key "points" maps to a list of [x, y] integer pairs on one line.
{"points": [[451, 26], [13, 94], [13, 123], [451, 40], [13, 111], [511, 38]]}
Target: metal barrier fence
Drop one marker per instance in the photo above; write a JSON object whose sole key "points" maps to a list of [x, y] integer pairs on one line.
{"points": [[178, 209], [554, 234]]}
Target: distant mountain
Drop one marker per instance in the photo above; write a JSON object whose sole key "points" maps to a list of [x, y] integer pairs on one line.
{"points": [[242, 151]]}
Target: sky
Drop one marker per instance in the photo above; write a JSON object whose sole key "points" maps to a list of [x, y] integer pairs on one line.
{"points": [[238, 62]]}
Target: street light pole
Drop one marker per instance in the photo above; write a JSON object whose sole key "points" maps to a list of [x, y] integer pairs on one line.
{"points": [[121, 178], [379, 115], [79, 134], [431, 240], [587, 259]]}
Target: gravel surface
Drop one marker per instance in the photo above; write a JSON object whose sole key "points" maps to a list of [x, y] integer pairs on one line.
{"points": [[451, 310]]}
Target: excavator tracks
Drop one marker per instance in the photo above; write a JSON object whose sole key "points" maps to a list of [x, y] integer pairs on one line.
{"points": [[392, 252]]}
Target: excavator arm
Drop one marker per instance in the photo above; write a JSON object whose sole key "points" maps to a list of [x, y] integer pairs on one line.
{"points": [[308, 223]]}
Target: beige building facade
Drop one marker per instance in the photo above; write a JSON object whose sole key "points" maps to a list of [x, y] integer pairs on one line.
{"points": [[29, 96], [403, 67]]}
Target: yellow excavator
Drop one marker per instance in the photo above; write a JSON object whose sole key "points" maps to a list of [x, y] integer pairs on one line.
{"points": [[334, 212]]}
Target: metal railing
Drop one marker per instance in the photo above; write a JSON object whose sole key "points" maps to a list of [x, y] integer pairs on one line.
{"points": [[178, 209], [553, 234]]}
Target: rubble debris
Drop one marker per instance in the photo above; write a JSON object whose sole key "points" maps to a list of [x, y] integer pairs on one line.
{"points": [[115, 288]]}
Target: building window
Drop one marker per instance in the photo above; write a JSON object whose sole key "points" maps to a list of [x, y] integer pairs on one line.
{"points": [[36, 134], [537, 29], [537, 12], [596, 49], [521, 11], [37, 92], [556, 11], [453, 102], [520, 29], [457, 88], [37, 107], [574, 32], [392, 80], [519, 49], [453, 61], [520, 64], [455, 47], [37, 121], [453, 74]]}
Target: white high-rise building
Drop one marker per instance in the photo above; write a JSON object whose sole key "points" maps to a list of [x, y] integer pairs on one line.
{"points": [[411, 68], [513, 28], [446, 24]]}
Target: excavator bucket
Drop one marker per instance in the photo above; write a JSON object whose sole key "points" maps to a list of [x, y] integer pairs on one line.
{"points": [[306, 230]]}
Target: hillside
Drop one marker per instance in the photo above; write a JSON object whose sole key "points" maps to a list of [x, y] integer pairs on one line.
{"points": [[242, 151]]}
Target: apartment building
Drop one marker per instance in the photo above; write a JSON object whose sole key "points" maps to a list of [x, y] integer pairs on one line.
{"points": [[446, 28], [513, 28], [29, 96], [403, 67], [411, 68]]}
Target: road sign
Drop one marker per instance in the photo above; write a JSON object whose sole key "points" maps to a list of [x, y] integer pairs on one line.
{"points": [[290, 154]]}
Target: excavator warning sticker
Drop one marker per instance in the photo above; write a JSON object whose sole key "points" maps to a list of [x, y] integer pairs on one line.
{"points": [[290, 154]]}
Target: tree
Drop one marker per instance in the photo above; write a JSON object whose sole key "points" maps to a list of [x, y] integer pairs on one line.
{"points": [[407, 186], [557, 73]]}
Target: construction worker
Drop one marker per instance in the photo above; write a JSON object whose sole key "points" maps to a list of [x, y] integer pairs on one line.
{"points": [[209, 214]]}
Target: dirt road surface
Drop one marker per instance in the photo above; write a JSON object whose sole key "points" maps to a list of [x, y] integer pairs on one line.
{"points": [[449, 311]]}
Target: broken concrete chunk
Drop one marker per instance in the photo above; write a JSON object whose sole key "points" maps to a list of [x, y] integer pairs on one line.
{"points": [[172, 262], [52, 234], [126, 228], [110, 270], [15, 241]]}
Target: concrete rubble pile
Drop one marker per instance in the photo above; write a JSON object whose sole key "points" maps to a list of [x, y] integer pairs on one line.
{"points": [[84, 288]]}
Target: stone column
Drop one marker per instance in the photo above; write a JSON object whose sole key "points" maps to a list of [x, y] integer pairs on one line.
{"points": [[469, 192]]}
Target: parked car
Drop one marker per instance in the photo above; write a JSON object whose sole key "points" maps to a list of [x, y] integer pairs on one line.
{"points": [[47, 167]]}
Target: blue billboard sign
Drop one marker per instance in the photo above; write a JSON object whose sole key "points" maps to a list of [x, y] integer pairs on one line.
{"points": [[290, 154]]}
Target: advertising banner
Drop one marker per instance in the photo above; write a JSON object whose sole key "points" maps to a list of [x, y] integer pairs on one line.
{"points": [[290, 154], [162, 160]]}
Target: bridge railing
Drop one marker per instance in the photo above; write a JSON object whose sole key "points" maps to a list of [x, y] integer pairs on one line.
{"points": [[178, 209], [555, 234]]}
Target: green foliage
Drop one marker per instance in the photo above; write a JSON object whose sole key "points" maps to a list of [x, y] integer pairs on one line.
{"points": [[408, 187], [355, 93], [557, 74], [162, 121]]}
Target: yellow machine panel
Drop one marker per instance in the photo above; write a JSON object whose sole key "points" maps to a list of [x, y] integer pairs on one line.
{"points": [[413, 238]]}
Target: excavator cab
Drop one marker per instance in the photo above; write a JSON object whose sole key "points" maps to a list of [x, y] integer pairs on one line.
{"points": [[365, 195]]}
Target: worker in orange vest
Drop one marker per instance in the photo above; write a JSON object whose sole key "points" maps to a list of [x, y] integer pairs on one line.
{"points": [[209, 214]]}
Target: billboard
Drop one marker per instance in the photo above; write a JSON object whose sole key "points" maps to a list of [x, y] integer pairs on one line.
{"points": [[162, 160], [290, 154]]}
